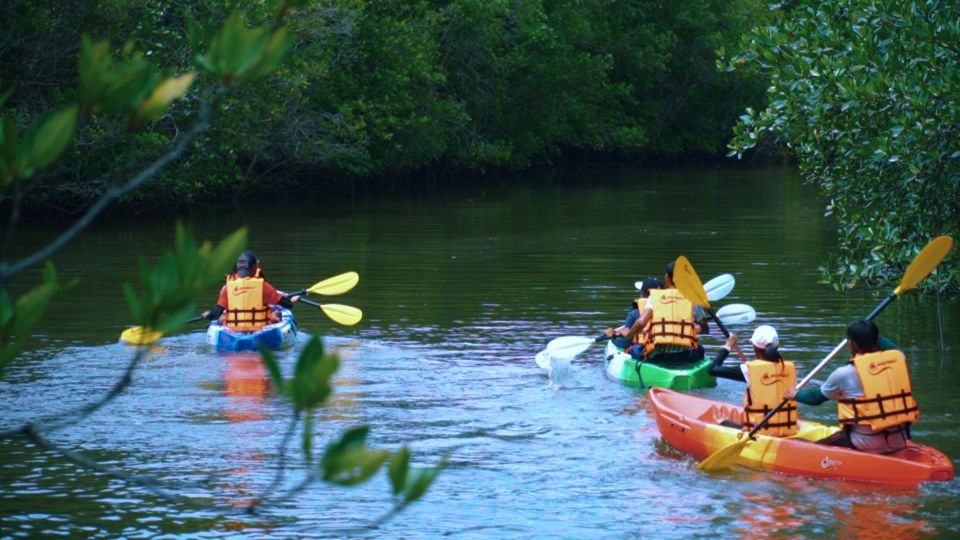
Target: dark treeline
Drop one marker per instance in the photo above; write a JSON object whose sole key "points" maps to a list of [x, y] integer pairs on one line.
{"points": [[376, 91]]}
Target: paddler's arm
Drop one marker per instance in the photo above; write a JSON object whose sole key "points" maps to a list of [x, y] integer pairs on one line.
{"points": [[641, 323], [734, 373], [212, 314]]}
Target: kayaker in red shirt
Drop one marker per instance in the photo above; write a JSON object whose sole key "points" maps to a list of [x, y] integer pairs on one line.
{"points": [[247, 301]]}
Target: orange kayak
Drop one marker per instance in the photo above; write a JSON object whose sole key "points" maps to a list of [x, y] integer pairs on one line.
{"points": [[691, 424]]}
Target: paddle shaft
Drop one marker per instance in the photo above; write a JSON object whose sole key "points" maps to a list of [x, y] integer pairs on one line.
{"points": [[726, 333], [836, 350], [310, 303]]}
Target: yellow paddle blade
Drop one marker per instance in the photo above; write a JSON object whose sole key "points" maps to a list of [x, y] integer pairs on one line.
{"points": [[688, 282], [341, 314], [338, 284], [138, 335], [725, 457], [924, 263]]}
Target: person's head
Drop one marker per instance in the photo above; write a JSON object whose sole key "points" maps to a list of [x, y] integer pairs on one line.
{"points": [[247, 264], [864, 336], [668, 273], [765, 338], [648, 285]]}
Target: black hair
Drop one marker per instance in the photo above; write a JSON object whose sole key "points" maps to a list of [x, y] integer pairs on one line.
{"points": [[650, 283], [771, 353], [669, 269], [864, 335]]}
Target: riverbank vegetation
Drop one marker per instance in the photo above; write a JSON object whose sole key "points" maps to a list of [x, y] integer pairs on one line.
{"points": [[136, 91], [376, 91], [866, 96], [861, 93]]}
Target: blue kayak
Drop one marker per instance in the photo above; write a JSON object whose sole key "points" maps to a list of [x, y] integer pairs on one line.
{"points": [[274, 336]]}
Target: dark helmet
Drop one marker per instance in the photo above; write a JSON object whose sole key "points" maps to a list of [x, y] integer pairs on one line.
{"points": [[669, 269], [650, 283], [247, 264]]}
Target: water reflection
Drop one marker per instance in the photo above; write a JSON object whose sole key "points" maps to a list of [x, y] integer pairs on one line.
{"points": [[246, 391]]}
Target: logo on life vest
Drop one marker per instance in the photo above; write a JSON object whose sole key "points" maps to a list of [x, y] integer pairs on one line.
{"points": [[770, 378], [238, 290], [827, 463], [876, 368], [671, 299]]}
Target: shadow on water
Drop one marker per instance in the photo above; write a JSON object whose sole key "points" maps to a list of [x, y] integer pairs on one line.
{"points": [[459, 294]]}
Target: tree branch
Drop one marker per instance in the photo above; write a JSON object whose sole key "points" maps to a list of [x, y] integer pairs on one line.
{"points": [[203, 121]]}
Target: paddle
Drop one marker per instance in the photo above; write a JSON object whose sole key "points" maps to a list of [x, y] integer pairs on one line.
{"points": [[690, 286], [339, 313], [570, 346], [332, 286], [924, 263], [139, 335], [717, 288]]}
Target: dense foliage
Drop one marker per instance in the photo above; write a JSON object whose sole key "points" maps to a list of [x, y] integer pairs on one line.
{"points": [[866, 94], [376, 90], [136, 91]]}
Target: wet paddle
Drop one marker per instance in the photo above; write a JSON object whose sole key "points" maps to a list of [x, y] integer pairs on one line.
{"points": [[331, 286], [339, 284], [690, 286], [570, 346], [338, 313], [920, 268], [139, 335]]}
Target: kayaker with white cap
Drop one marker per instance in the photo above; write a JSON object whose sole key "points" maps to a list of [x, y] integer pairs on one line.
{"points": [[879, 423], [768, 377]]}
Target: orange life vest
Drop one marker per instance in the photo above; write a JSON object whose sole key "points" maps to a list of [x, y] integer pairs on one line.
{"points": [[769, 381], [887, 394], [246, 311], [671, 322]]}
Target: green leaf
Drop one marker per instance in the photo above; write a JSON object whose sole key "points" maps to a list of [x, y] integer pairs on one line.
{"points": [[399, 466], [419, 483], [348, 461], [308, 436], [271, 55], [50, 137], [273, 368], [311, 381], [155, 106], [95, 63]]}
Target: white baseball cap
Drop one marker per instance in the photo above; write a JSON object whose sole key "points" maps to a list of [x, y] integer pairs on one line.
{"points": [[765, 336]]}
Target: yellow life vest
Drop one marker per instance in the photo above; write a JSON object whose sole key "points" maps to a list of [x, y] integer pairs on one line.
{"points": [[887, 394], [671, 322], [769, 381], [246, 311]]}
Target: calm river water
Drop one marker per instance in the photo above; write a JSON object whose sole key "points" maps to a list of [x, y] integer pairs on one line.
{"points": [[460, 290]]}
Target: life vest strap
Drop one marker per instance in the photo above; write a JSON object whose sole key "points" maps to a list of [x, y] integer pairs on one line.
{"points": [[906, 408]]}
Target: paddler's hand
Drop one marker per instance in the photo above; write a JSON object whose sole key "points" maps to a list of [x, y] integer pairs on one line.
{"points": [[206, 314], [731, 342], [791, 394], [610, 332], [295, 298]]}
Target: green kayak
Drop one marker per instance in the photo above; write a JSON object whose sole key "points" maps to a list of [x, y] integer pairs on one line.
{"points": [[622, 367]]}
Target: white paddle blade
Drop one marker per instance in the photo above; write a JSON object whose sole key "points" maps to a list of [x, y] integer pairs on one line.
{"points": [[568, 346], [736, 314], [719, 287]]}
